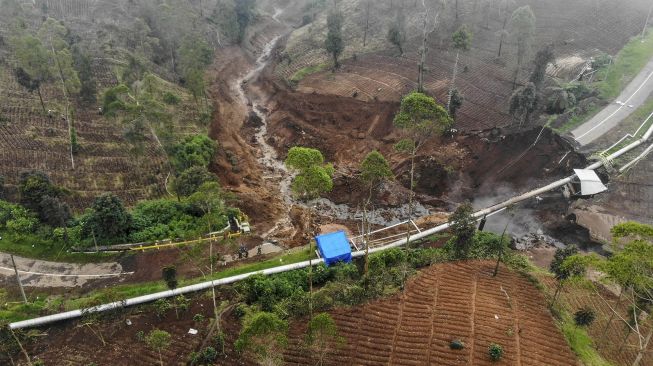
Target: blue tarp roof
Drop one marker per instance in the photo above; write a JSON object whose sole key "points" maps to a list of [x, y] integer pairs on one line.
{"points": [[334, 247]]}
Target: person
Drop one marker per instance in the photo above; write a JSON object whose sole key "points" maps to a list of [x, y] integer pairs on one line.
{"points": [[259, 250]]}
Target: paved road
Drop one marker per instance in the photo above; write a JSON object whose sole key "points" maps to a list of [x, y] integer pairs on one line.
{"points": [[631, 98], [38, 273]]}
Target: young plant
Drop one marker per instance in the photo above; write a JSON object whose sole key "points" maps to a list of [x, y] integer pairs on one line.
{"points": [[495, 352], [158, 340]]}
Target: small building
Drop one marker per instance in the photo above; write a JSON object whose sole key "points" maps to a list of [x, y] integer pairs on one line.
{"points": [[334, 247]]}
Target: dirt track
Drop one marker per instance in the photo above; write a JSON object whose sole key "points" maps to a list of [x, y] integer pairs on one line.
{"points": [[447, 302]]}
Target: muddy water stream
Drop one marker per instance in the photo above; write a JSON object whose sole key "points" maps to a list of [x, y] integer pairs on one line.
{"points": [[277, 174]]}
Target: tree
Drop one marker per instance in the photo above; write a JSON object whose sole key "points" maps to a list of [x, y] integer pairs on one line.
{"points": [[138, 109], [397, 32], [334, 42], [522, 29], [462, 41], [368, 3], [158, 340], [542, 59], [209, 198], [169, 274], [109, 220], [193, 151], [374, 170], [33, 61], [33, 186], [457, 100], [523, 102], [420, 118], [88, 85], [322, 336], [313, 178], [53, 212], [264, 338], [189, 181], [584, 317], [244, 14], [504, 11], [572, 267], [463, 226]]}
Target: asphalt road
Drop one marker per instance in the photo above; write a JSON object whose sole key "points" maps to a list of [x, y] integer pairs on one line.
{"points": [[631, 98]]}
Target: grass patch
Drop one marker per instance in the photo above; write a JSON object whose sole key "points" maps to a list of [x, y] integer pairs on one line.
{"points": [[627, 64], [579, 119], [35, 247], [581, 343], [302, 73]]}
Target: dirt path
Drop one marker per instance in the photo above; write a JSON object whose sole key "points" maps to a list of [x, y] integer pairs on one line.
{"points": [[42, 274]]}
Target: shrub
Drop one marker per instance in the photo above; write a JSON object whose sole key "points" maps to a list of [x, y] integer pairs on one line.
{"points": [[169, 274], [584, 317], [161, 306], [198, 318], [495, 351], [456, 344], [207, 356], [241, 310], [171, 98]]}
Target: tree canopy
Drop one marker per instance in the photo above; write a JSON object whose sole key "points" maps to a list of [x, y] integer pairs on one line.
{"points": [[264, 337], [314, 177], [463, 226], [334, 43]]}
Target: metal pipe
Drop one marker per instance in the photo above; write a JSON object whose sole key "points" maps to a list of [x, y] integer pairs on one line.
{"points": [[492, 210]]}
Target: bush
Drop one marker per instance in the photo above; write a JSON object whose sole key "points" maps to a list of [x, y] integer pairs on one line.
{"points": [[198, 318], [584, 317], [495, 351], [207, 356], [169, 274], [241, 310], [171, 98], [161, 307], [456, 344]]}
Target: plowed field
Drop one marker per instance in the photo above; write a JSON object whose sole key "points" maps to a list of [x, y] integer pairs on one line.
{"points": [[446, 302]]}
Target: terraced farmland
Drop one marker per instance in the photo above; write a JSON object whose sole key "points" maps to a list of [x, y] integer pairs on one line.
{"points": [[446, 302], [578, 30]]}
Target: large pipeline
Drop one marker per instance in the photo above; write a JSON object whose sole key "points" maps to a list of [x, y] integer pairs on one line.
{"points": [[290, 267]]}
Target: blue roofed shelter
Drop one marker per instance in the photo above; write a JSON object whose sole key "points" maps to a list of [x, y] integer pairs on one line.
{"points": [[334, 247]]}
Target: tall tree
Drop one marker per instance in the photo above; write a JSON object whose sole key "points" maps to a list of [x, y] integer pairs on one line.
{"points": [[138, 109], [420, 118], [158, 340], [522, 29], [313, 178], [33, 60], [504, 12], [463, 226], [322, 337], [109, 220], [542, 59], [523, 102], [54, 37], [88, 84], [397, 31], [462, 41], [374, 170], [264, 338], [561, 272], [334, 42]]}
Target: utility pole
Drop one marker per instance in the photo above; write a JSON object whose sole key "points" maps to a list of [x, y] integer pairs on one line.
{"points": [[646, 23], [20, 284]]}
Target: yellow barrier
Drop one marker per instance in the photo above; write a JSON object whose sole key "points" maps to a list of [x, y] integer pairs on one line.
{"points": [[213, 237]]}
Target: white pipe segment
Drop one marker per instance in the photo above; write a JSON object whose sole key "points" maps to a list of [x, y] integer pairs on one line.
{"points": [[289, 267]]}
